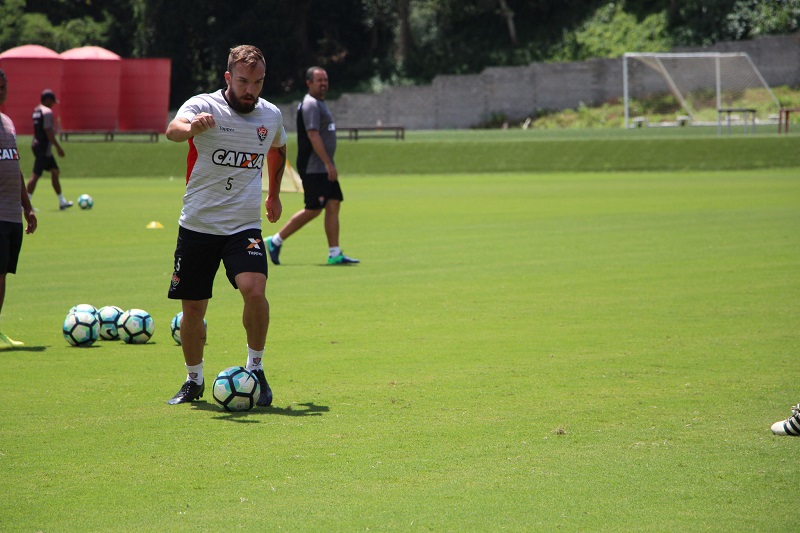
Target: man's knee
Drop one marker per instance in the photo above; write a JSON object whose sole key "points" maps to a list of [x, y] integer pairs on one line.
{"points": [[311, 214], [252, 285], [194, 309]]}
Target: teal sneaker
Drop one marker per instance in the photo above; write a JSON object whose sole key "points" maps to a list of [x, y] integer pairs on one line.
{"points": [[342, 259], [274, 251]]}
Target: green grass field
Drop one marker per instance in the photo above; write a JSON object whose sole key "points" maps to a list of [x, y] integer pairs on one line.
{"points": [[524, 351]]}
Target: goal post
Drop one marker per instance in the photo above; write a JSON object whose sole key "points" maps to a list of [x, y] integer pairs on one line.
{"points": [[700, 86]]}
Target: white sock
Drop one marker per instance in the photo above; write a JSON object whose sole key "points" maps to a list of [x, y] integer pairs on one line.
{"points": [[62, 199], [195, 373], [276, 239], [334, 251], [254, 359]]}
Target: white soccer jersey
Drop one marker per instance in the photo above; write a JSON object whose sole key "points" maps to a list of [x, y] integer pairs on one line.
{"points": [[223, 175]]}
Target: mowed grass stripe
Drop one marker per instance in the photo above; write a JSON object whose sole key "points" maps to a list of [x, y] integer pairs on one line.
{"points": [[478, 151]]}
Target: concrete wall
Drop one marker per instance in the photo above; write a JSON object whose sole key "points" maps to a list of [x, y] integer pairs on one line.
{"points": [[453, 102]]}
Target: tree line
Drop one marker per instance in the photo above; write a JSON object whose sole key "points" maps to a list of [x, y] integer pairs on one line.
{"points": [[367, 44]]}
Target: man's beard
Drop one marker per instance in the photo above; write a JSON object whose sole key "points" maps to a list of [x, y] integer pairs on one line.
{"points": [[240, 106]]}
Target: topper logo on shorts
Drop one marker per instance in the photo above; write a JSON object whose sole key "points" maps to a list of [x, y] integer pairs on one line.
{"points": [[254, 245], [231, 158], [262, 133]]}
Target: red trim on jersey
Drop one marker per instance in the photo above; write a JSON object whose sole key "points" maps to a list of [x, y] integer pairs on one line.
{"points": [[191, 159]]}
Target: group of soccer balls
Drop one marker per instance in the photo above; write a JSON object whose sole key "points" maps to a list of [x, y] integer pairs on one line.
{"points": [[235, 388], [85, 324]]}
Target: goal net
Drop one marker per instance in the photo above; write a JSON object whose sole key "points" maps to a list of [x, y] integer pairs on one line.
{"points": [[291, 181], [694, 89]]}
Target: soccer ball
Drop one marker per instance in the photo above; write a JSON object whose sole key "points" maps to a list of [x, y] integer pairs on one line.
{"points": [[135, 326], [236, 389], [85, 201], [84, 308], [175, 327], [81, 328], [108, 316]]}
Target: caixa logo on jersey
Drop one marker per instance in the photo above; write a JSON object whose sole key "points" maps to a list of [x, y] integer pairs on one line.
{"points": [[9, 153], [232, 158]]}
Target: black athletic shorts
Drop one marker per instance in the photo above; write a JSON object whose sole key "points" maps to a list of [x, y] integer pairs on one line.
{"points": [[197, 258], [318, 190], [44, 162], [10, 245]]}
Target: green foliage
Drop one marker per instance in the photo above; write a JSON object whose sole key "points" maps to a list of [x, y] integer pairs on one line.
{"points": [[37, 28], [662, 108], [523, 352], [83, 31], [611, 31], [11, 12], [754, 18], [699, 22], [366, 44]]}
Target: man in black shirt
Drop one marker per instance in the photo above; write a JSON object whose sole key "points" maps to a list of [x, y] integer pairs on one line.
{"points": [[44, 138]]}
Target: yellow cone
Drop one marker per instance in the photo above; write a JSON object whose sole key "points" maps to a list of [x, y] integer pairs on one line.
{"points": [[155, 225]]}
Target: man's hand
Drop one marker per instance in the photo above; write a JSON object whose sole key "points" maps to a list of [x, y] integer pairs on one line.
{"points": [[202, 122], [274, 208], [333, 173], [30, 218], [180, 129]]}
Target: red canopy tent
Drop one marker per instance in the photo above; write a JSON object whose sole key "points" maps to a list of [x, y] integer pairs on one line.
{"points": [[30, 69], [144, 94], [90, 89]]}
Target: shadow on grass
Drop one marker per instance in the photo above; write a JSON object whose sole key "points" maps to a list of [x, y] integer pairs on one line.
{"points": [[248, 417], [22, 348]]}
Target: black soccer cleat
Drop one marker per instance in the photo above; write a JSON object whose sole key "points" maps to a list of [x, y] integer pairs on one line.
{"points": [[265, 397], [190, 391]]}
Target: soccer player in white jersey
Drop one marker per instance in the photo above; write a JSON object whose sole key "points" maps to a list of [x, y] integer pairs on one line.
{"points": [[14, 203], [232, 133]]}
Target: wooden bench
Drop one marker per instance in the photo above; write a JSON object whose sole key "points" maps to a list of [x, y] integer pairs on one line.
{"points": [[108, 136], [355, 133]]}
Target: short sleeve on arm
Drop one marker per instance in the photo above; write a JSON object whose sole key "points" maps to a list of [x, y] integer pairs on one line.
{"points": [[192, 107], [311, 114], [47, 120], [280, 138]]}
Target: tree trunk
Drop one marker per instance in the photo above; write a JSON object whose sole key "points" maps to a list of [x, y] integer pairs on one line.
{"points": [[405, 41], [509, 15]]}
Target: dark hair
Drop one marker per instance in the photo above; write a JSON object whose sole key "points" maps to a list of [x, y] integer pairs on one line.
{"points": [[310, 72], [247, 54]]}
